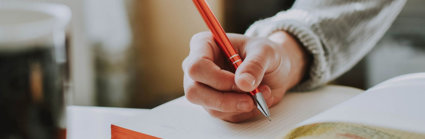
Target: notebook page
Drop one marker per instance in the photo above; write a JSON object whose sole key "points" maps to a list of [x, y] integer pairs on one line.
{"points": [[396, 104], [181, 119]]}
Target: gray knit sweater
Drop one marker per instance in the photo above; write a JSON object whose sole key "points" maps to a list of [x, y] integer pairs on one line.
{"points": [[337, 33]]}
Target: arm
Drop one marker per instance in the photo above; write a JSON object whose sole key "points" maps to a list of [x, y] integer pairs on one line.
{"points": [[337, 34]]}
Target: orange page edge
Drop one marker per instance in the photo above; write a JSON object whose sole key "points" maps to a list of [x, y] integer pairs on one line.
{"points": [[118, 132]]}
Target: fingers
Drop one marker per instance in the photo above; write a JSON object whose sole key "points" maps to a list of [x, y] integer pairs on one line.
{"points": [[227, 106], [260, 58], [200, 94], [207, 72], [203, 45], [203, 62], [267, 94], [243, 116], [206, 83]]}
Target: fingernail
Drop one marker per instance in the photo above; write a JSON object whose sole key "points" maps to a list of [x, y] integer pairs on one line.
{"points": [[243, 106], [248, 78]]}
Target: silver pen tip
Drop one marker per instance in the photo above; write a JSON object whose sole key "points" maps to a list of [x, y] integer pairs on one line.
{"points": [[262, 105]]}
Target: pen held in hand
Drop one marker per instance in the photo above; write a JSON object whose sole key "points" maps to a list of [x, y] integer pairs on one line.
{"points": [[224, 43]]}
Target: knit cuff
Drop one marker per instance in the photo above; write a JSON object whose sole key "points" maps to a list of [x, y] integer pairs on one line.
{"points": [[300, 24]]}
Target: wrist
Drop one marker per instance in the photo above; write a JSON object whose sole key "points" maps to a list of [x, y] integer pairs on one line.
{"points": [[293, 52]]}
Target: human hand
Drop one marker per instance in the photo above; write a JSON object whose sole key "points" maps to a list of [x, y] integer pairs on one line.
{"points": [[274, 65]]}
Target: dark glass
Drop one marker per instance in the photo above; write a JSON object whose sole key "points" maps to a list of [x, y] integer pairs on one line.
{"points": [[31, 94]]}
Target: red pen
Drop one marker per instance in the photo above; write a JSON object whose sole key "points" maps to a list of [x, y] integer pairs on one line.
{"points": [[223, 41]]}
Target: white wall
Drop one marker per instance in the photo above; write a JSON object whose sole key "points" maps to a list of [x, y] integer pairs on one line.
{"points": [[402, 50]]}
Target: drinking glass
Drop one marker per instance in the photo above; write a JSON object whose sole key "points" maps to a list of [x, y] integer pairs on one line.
{"points": [[33, 69]]}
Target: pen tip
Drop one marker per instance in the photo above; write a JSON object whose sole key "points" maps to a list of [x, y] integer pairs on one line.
{"points": [[262, 105]]}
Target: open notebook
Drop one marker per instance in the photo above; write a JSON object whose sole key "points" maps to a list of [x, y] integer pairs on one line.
{"points": [[392, 109]]}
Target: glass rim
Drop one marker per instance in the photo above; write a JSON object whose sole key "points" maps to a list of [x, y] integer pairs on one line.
{"points": [[58, 17]]}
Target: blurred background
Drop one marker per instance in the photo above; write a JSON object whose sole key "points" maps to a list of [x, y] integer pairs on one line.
{"points": [[128, 53]]}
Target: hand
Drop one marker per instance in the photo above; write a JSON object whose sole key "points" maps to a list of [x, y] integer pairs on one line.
{"points": [[274, 64]]}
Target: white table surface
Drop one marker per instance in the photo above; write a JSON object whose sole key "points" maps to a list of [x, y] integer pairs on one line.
{"points": [[95, 122]]}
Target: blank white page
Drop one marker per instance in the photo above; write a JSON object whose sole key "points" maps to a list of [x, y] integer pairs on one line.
{"points": [[398, 103], [181, 119]]}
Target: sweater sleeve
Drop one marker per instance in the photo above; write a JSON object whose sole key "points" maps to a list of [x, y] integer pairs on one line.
{"points": [[336, 33]]}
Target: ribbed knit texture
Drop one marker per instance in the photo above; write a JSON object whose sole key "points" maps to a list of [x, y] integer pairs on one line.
{"points": [[336, 33]]}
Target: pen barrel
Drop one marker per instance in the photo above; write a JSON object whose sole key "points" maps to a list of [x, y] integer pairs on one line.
{"points": [[224, 43], [216, 29], [236, 60], [219, 35]]}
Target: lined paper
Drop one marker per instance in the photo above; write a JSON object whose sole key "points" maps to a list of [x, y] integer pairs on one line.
{"points": [[181, 119]]}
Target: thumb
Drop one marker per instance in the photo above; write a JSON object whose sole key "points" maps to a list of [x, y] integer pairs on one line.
{"points": [[259, 58]]}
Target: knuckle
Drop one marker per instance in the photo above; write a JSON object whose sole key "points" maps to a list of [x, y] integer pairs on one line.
{"points": [[191, 93], [193, 68]]}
